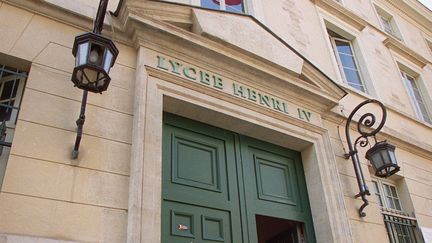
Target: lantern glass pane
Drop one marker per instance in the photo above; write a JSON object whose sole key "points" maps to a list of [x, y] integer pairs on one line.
{"points": [[108, 61], [79, 76], [386, 157], [92, 75], [96, 55], [392, 157], [101, 83], [376, 160], [81, 56]]}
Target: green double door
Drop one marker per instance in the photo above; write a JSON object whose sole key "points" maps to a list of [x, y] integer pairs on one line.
{"points": [[218, 184]]}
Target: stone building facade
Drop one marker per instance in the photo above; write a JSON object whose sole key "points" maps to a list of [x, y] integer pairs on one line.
{"points": [[224, 122]]}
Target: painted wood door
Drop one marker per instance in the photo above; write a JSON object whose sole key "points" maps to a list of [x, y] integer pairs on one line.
{"points": [[215, 182], [200, 193], [274, 185]]}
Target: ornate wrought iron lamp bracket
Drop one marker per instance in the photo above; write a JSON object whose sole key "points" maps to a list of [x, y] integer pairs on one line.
{"points": [[364, 127]]}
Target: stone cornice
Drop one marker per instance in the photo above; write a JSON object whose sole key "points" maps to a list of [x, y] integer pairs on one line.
{"points": [[404, 51], [224, 57], [237, 65], [322, 95], [341, 12], [416, 11], [178, 15], [233, 100]]}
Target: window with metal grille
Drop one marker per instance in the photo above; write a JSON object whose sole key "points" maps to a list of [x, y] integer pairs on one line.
{"points": [[11, 88], [400, 227], [12, 81]]}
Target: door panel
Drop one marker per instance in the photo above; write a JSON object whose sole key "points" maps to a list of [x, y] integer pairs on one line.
{"points": [[200, 193], [277, 187], [196, 224]]}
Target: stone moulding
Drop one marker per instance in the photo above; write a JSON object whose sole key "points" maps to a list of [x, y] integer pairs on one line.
{"points": [[404, 51], [306, 77], [343, 13], [415, 11]]}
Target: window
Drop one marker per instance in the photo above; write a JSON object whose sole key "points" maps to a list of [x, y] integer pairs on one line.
{"points": [[401, 228], [416, 97], [391, 197], [429, 44], [378, 193], [11, 87], [346, 60], [235, 6], [12, 83], [388, 23], [387, 196]]}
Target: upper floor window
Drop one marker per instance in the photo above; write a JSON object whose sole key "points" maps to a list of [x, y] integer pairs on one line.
{"points": [[347, 61], [416, 96], [235, 6], [388, 23]]}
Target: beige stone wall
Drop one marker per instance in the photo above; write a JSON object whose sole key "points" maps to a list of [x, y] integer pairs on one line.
{"points": [[413, 182], [373, 222], [382, 67], [46, 193]]}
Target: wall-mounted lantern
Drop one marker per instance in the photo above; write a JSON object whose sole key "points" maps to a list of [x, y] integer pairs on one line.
{"points": [[383, 159], [94, 57], [381, 155]]}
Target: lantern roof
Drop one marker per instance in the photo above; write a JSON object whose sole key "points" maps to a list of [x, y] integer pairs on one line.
{"points": [[95, 38]]}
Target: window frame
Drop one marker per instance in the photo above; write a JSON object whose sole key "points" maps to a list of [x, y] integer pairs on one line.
{"points": [[223, 7], [340, 64], [429, 45], [404, 74], [400, 226], [382, 195], [383, 15], [8, 127], [20, 79]]}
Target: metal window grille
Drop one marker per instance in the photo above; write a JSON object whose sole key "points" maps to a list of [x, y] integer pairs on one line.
{"points": [[401, 228], [11, 88]]}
